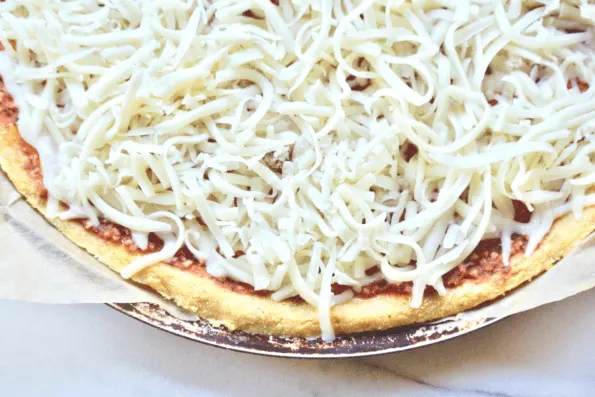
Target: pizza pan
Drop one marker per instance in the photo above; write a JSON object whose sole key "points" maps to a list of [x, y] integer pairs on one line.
{"points": [[354, 345]]}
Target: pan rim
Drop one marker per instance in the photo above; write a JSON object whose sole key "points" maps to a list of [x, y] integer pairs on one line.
{"points": [[219, 337]]}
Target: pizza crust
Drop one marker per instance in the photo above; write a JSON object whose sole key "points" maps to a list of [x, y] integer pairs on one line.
{"points": [[220, 306]]}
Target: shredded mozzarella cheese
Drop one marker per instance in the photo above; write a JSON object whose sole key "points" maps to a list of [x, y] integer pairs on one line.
{"points": [[318, 138]]}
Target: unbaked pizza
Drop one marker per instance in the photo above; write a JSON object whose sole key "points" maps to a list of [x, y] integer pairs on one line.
{"points": [[306, 167]]}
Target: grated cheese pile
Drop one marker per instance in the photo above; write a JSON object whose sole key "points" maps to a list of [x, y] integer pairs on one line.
{"points": [[317, 138]]}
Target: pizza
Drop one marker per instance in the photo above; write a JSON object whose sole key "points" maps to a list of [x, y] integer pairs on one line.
{"points": [[306, 168]]}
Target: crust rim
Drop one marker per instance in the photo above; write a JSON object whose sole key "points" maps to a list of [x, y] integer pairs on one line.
{"points": [[220, 306]]}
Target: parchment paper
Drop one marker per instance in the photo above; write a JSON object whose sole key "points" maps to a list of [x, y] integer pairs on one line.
{"points": [[39, 264]]}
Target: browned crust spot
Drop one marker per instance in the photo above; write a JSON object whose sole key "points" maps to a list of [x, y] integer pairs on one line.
{"points": [[8, 110]]}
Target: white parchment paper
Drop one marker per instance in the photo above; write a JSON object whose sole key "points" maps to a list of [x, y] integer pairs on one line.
{"points": [[39, 264]]}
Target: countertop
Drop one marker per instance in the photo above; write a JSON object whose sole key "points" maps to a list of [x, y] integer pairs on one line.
{"points": [[91, 350]]}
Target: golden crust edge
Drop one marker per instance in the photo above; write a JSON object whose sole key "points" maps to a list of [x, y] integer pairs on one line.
{"points": [[218, 305]]}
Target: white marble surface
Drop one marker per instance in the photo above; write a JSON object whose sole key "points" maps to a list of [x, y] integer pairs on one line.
{"points": [[91, 350]]}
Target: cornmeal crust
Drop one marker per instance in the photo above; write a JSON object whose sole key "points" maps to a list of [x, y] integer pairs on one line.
{"points": [[217, 304]]}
